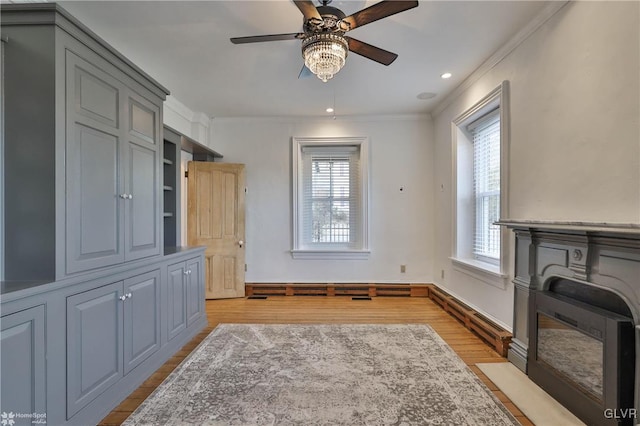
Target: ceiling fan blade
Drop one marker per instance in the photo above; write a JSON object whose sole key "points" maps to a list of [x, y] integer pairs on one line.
{"points": [[308, 9], [271, 37], [305, 72], [371, 52], [378, 11]]}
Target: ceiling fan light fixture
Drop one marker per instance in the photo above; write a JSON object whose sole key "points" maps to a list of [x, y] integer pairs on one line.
{"points": [[325, 54]]}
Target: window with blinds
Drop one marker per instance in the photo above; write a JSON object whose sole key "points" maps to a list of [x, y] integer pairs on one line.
{"points": [[330, 196], [330, 184], [485, 134]]}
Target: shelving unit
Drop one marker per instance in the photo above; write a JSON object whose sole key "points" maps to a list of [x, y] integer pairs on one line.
{"points": [[174, 142], [171, 187]]}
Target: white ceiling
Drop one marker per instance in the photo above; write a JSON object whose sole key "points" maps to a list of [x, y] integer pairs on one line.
{"points": [[185, 46]]}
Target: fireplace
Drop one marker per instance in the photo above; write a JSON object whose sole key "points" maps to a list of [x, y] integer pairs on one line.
{"points": [[576, 327], [583, 355]]}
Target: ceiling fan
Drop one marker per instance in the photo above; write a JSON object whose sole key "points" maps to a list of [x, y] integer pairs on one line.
{"points": [[324, 43]]}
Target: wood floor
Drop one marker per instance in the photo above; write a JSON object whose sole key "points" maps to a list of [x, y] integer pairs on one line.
{"points": [[310, 310]]}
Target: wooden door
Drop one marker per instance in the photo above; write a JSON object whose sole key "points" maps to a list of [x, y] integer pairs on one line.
{"points": [[216, 220]]}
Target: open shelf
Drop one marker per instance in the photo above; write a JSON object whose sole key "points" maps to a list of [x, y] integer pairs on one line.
{"points": [[174, 143], [171, 187]]}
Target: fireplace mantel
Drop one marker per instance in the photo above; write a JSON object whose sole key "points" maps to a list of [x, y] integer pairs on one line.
{"points": [[572, 226], [597, 254]]}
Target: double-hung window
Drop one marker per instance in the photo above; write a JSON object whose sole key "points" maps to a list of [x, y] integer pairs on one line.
{"points": [[480, 139], [486, 186], [330, 198]]}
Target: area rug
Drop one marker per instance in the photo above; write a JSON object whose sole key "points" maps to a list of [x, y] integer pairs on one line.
{"points": [[533, 401], [322, 375]]}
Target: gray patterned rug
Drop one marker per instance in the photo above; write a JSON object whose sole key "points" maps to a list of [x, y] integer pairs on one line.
{"points": [[322, 375]]}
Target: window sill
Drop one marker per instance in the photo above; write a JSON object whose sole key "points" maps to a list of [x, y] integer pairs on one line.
{"points": [[331, 254], [485, 272]]}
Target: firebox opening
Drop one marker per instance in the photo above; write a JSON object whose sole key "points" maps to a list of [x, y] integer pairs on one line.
{"points": [[594, 296], [582, 349]]}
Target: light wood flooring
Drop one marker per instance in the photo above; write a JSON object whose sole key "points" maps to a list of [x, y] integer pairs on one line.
{"points": [[300, 309]]}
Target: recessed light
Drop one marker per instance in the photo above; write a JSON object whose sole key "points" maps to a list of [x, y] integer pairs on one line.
{"points": [[446, 75], [426, 95], [329, 109]]}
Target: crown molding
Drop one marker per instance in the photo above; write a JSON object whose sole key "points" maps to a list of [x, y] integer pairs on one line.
{"points": [[327, 118], [545, 14]]}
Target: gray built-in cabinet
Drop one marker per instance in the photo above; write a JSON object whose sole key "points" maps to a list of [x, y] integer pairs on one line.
{"points": [[186, 294], [113, 149], [95, 296], [83, 179]]}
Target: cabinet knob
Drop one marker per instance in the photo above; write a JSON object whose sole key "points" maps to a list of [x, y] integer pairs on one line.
{"points": [[123, 196], [123, 297], [186, 272], [129, 295], [131, 196], [240, 243]]}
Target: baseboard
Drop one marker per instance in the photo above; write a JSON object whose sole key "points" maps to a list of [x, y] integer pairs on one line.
{"points": [[338, 289], [497, 337]]}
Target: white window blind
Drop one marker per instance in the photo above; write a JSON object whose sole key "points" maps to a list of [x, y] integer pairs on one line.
{"points": [[486, 185], [331, 207]]}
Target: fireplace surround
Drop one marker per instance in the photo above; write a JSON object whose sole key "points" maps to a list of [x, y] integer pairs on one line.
{"points": [[565, 275]]}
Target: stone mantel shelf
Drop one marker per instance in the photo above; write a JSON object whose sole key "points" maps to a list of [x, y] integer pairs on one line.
{"points": [[573, 226]]}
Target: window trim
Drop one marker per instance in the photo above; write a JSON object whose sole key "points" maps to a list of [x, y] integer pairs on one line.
{"points": [[489, 273], [299, 251]]}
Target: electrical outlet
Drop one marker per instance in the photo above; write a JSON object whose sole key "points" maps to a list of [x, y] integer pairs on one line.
{"points": [[442, 273], [403, 269]]}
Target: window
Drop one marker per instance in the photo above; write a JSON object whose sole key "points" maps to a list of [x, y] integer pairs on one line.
{"points": [[330, 198], [485, 134], [480, 145]]}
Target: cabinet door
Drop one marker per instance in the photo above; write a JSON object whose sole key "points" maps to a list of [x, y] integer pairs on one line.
{"points": [[22, 356], [142, 179], [94, 230], [177, 314], [195, 291], [141, 318], [94, 344]]}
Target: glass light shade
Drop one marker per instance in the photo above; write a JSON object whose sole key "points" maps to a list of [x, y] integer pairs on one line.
{"points": [[324, 54]]}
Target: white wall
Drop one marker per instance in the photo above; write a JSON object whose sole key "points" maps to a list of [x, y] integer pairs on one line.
{"points": [[575, 138], [401, 223]]}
